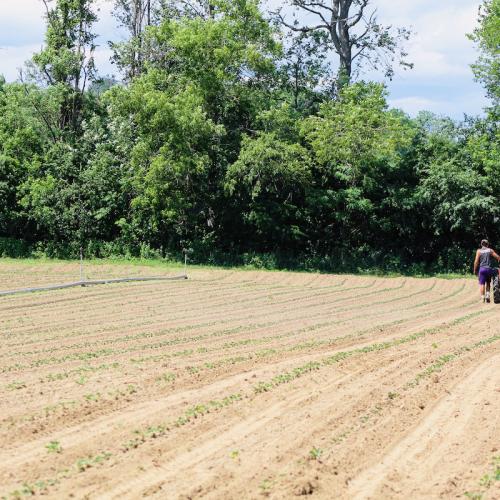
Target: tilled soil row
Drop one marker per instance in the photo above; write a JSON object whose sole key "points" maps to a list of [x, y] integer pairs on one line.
{"points": [[125, 298], [169, 407], [313, 309], [306, 331], [114, 380], [273, 309], [249, 385], [280, 340]]}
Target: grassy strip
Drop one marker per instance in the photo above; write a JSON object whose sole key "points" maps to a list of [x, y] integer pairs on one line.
{"points": [[174, 264]]}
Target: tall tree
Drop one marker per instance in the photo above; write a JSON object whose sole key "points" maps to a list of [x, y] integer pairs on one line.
{"points": [[190, 8], [354, 34], [52, 196], [205, 83], [135, 16], [487, 36], [66, 63], [305, 70]]}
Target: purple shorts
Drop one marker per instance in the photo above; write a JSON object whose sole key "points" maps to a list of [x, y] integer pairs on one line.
{"points": [[485, 274]]}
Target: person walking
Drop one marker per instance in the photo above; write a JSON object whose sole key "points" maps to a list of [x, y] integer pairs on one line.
{"points": [[484, 270]]}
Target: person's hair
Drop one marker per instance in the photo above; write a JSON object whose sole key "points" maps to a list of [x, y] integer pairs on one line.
{"points": [[485, 243]]}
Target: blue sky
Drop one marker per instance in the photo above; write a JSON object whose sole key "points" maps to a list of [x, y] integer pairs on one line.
{"points": [[441, 82]]}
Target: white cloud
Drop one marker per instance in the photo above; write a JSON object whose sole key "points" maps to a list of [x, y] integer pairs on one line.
{"points": [[22, 30], [456, 107], [102, 57], [440, 50], [440, 45], [413, 104], [13, 58], [21, 22]]}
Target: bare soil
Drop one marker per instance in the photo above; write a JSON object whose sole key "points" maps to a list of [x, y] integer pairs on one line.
{"points": [[246, 384]]}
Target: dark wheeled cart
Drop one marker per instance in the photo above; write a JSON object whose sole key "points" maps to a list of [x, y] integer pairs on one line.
{"points": [[496, 289]]}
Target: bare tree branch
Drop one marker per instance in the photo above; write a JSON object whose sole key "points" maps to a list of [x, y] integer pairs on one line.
{"points": [[340, 18], [357, 18], [303, 29]]}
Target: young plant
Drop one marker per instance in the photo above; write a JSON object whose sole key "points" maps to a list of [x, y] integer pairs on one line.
{"points": [[54, 447], [315, 453]]}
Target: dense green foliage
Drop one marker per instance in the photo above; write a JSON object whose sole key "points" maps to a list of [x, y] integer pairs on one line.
{"points": [[227, 143], [487, 36]]}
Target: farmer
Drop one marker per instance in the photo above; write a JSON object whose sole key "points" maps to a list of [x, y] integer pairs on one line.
{"points": [[484, 270]]}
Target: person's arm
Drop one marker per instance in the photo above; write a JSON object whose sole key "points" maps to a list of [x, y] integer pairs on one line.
{"points": [[476, 263], [495, 255]]}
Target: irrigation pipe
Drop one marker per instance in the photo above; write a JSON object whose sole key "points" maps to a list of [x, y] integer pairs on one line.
{"points": [[91, 283]]}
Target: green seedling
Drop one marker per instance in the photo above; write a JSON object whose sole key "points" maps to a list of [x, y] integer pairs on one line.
{"points": [[315, 453], [166, 377], [486, 481], [266, 485], [85, 463], [132, 444], [473, 495], [54, 447], [14, 386], [81, 380]]}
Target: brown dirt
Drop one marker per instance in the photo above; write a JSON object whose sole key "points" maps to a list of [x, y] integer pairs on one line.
{"points": [[246, 384]]}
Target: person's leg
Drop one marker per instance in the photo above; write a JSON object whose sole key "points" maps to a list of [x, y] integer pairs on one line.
{"points": [[482, 283]]}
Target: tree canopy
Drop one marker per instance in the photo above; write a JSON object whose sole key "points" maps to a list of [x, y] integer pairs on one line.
{"points": [[224, 138]]}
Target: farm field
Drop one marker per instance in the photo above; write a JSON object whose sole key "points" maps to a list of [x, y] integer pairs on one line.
{"points": [[247, 384]]}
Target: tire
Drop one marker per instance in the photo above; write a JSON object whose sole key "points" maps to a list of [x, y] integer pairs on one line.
{"points": [[496, 289]]}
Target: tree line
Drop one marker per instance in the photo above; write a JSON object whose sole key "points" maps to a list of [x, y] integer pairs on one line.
{"points": [[233, 137]]}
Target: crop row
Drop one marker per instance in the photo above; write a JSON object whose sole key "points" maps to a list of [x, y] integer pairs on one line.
{"points": [[129, 337], [95, 354]]}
